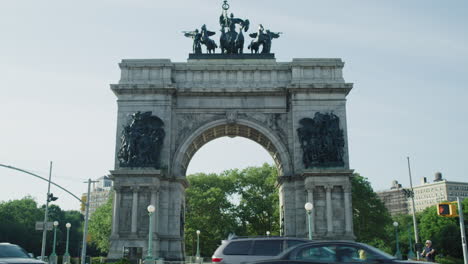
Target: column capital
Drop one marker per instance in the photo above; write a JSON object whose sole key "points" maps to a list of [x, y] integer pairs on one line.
{"points": [[328, 187], [347, 189], [310, 186], [135, 188], [154, 188]]}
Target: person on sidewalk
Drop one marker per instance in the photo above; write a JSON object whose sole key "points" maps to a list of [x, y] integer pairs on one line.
{"points": [[429, 251]]}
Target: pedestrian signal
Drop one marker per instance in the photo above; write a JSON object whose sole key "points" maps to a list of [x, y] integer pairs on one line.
{"points": [[447, 210]]}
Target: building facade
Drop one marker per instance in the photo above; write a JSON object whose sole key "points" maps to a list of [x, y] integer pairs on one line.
{"points": [[394, 199], [429, 194], [425, 195], [100, 193]]}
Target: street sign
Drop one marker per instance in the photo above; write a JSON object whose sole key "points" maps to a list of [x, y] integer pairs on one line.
{"points": [[40, 225]]}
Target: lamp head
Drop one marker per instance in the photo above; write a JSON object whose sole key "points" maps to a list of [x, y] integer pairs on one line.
{"points": [[151, 208], [395, 224], [309, 206], [198, 232], [56, 223], [68, 225]]}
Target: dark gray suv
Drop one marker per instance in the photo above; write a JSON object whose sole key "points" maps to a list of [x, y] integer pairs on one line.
{"points": [[13, 254], [242, 250]]}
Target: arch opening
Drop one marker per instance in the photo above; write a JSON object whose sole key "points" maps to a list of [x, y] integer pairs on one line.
{"points": [[231, 130]]}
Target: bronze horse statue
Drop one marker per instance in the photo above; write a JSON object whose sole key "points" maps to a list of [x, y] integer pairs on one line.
{"points": [[205, 39], [262, 38]]}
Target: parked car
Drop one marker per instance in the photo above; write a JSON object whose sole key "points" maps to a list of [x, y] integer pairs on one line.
{"points": [[242, 250], [14, 254], [334, 252]]}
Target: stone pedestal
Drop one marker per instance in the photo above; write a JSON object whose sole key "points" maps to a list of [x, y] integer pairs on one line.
{"points": [[135, 189]]}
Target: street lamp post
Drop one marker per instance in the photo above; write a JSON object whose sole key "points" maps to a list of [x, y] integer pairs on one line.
{"points": [[268, 233], [309, 207], [66, 256], [198, 246], [410, 252], [398, 253], [149, 257], [53, 256]]}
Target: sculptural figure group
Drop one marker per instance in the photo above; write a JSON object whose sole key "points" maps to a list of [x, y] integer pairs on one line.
{"points": [[322, 141], [141, 141], [231, 41]]}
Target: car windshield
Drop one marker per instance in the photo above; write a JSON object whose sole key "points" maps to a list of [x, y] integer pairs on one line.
{"points": [[12, 251]]}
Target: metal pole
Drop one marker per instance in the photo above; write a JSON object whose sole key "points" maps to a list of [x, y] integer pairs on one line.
{"points": [[44, 226], [398, 253], [37, 176], [198, 244], [462, 230], [410, 252], [416, 236], [85, 229], [309, 217], [68, 239], [149, 257], [55, 240]]}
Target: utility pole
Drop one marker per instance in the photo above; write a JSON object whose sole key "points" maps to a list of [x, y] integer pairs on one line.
{"points": [[85, 229], [416, 236], [44, 226], [462, 230]]}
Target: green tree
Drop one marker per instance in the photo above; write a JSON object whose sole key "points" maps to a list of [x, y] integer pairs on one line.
{"points": [[259, 201], [442, 231], [370, 216], [242, 202], [100, 226], [17, 225], [210, 210]]}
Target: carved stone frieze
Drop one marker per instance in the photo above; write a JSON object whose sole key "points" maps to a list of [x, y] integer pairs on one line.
{"points": [[274, 121], [187, 123]]}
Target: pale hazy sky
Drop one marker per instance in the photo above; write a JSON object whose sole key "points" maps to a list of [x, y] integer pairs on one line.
{"points": [[407, 60]]}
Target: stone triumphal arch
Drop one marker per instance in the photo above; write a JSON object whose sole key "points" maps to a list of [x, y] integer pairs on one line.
{"points": [[168, 110]]}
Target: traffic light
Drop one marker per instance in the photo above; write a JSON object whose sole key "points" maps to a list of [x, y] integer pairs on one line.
{"points": [[51, 197], [447, 210]]}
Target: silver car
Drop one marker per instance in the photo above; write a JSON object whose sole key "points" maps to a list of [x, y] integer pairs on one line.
{"points": [[242, 250]]}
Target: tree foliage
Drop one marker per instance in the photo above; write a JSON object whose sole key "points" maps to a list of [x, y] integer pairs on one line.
{"points": [[100, 226], [370, 216], [18, 221], [208, 209], [242, 202], [442, 231], [259, 202]]}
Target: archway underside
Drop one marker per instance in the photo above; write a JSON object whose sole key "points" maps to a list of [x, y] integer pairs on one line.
{"points": [[232, 130]]}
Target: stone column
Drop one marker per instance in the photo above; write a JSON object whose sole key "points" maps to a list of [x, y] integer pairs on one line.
{"points": [[328, 189], [134, 209], [116, 213], [310, 199], [348, 209]]}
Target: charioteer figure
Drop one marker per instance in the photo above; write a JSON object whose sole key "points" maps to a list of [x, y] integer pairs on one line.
{"points": [[196, 36], [232, 42], [202, 37]]}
